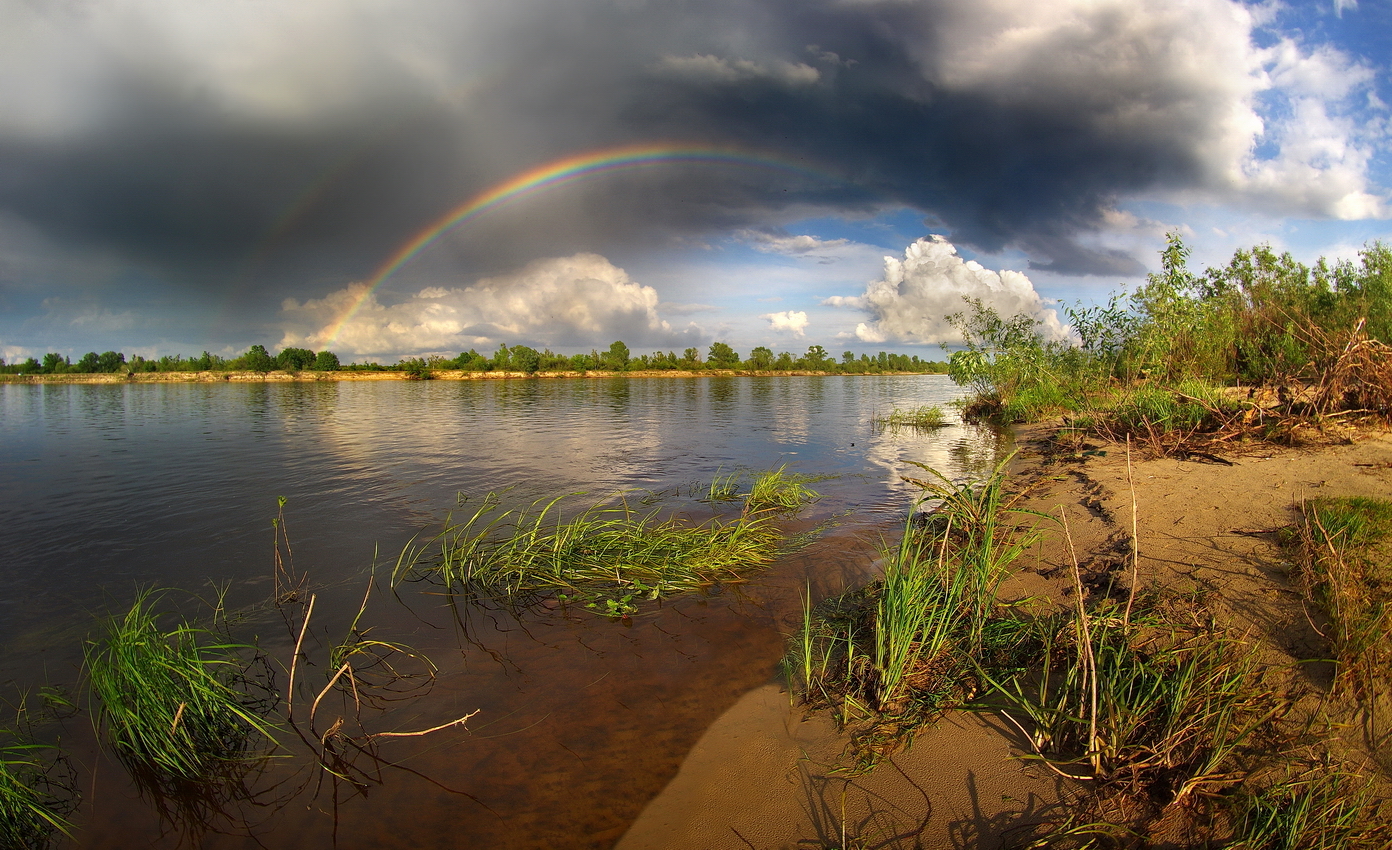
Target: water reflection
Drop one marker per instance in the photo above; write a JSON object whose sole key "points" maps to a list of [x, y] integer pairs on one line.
{"points": [[106, 488]]}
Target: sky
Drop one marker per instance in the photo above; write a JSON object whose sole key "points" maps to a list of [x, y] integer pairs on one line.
{"points": [[391, 178]]}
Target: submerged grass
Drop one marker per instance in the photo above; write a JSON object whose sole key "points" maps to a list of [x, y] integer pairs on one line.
{"points": [[175, 703], [610, 557]]}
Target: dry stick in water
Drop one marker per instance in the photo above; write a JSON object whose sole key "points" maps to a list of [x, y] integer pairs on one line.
{"points": [[1135, 540], [295, 660], [315, 706], [458, 722], [1090, 661]]}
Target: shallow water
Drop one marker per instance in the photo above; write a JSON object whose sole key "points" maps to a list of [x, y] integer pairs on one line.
{"points": [[581, 720]]}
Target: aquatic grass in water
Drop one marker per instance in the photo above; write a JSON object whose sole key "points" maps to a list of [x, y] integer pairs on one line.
{"points": [[32, 805], [779, 491], [609, 557], [172, 701], [926, 417]]}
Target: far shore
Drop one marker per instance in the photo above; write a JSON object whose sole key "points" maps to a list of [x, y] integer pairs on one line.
{"points": [[305, 377]]}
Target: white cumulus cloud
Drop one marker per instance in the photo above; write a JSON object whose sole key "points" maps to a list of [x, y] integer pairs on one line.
{"points": [[779, 243], [911, 303], [581, 300], [788, 321]]}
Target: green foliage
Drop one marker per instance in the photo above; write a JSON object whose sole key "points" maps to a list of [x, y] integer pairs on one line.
{"points": [[760, 359], [416, 369], [1012, 373], [257, 359], [616, 358], [1144, 704], [903, 649], [1153, 408], [295, 359], [817, 360], [1319, 809], [525, 359], [722, 356], [326, 361], [1344, 549], [174, 702]]}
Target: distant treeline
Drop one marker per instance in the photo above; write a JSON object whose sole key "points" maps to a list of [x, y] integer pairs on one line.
{"points": [[517, 358], [257, 359]]}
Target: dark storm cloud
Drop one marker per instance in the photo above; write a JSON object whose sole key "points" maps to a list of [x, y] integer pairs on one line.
{"points": [[267, 143]]}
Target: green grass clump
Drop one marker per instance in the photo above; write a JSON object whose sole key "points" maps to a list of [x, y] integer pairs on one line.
{"points": [[1189, 406], [1320, 809], [926, 417], [173, 702], [778, 491], [905, 648], [1148, 706], [609, 557], [1343, 567], [32, 807]]}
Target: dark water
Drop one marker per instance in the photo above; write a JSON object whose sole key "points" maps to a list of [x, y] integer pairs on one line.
{"points": [[108, 489]]}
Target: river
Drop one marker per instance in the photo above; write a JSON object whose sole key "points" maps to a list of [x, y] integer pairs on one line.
{"points": [[106, 490]]}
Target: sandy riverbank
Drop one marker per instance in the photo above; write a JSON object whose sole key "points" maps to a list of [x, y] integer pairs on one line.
{"points": [[761, 775]]}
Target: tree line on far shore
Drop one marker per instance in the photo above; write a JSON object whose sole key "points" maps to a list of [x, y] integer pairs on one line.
{"points": [[256, 359], [517, 358]]}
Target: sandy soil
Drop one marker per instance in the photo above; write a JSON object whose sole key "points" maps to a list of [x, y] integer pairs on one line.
{"points": [[762, 775]]}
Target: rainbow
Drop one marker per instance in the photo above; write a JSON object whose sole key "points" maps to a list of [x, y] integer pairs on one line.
{"points": [[549, 176]]}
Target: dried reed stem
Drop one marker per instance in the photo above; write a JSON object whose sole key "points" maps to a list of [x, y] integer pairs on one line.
{"points": [[1135, 540], [315, 706], [1089, 659], [458, 722], [295, 660]]}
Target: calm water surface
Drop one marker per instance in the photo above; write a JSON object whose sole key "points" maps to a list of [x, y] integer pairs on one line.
{"points": [[108, 489]]}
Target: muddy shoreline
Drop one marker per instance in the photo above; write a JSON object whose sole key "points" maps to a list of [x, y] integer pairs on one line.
{"points": [[764, 775]]}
